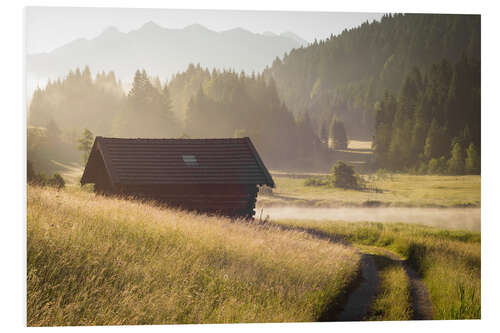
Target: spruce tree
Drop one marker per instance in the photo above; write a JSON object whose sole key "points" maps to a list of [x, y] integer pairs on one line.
{"points": [[323, 133], [85, 144], [307, 135], [456, 163], [337, 137], [472, 160], [385, 110], [87, 76], [432, 142], [53, 130]]}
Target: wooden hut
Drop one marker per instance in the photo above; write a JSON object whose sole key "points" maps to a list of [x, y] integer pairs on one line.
{"points": [[207, 175]]}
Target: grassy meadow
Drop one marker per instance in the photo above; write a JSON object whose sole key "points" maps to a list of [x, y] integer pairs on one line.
{"points": [[109, 261], [448, 261], [398, 190]]}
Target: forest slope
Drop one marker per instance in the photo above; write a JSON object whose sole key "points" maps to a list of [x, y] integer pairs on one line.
{"points": [[346, 74]]}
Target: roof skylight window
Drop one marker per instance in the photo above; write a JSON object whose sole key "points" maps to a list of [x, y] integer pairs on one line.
{"points": [[190, 160]]}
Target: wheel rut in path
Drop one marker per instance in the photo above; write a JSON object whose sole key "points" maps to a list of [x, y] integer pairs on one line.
{"points": [[359, 301], [420, 298]]}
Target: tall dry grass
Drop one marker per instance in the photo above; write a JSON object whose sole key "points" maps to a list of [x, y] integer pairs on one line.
{"points": [[392, 301], [93, 260], [448, 260]]}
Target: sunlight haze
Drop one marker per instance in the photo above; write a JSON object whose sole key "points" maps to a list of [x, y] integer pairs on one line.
{"points": [[51, 27]]}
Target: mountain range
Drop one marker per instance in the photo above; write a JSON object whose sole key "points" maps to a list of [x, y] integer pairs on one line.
{"points": [[164, 52]]}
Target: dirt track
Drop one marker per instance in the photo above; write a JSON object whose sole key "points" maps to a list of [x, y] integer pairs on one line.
{"points": [[359, 300], [420, 299]]}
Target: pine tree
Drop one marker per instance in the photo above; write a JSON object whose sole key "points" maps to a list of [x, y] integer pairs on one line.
{"points": [[418, 136], [53, 130], [307, 135], [384, 115], [323, 133], [85, 144], [338, 137], [87, 76], [156, 82], [399, 149], [166, 101], [435, 141], [137, 95], [472, 160], [39, 110], [456, 164]]}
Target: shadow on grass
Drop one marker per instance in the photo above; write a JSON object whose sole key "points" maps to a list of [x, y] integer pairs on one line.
{"points": [[354, 303]]}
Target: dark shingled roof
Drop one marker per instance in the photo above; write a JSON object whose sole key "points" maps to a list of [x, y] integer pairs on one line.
{"points": [[177, 161]]}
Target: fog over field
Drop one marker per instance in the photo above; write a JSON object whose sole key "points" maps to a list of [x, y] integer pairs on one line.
{"points": [[448, 218]]}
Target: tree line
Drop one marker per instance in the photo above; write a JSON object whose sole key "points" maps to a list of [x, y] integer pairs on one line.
{"points": [[194, 104], [434, 124]]}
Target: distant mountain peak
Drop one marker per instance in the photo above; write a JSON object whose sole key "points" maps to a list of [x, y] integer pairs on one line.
{"points": [[195, 27], [236, 31], [110, 31], [111, 28], [150, 25], [295, 37], [269, 34]]}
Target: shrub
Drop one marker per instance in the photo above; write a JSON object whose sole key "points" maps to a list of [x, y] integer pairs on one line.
{"points": [[412, 171], [316, 181], [437, 166], [383, 174], [344, 176], [422, 168], [361, 182], [56, 181], [266, 190], [41, 179]]}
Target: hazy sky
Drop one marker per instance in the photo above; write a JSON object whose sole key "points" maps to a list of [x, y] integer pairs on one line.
{"points": [[50, 27]]}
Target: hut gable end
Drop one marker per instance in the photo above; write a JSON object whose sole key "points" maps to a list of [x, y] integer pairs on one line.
{"points": [[96, 171]]}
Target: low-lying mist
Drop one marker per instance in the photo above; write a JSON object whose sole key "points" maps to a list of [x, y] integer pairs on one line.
{"points": [[448, 218]]}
